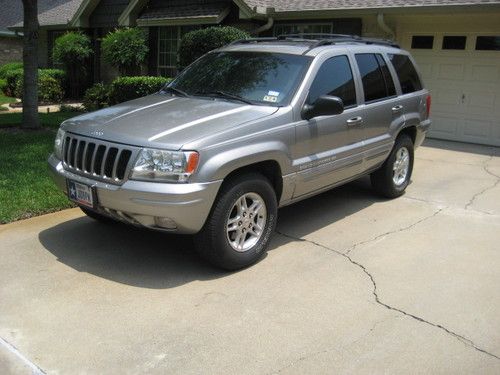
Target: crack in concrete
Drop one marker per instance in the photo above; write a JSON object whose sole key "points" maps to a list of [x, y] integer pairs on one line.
{"points": [[328, 350], [35, 370], [495, 184], [353, 247], [459, 337]]}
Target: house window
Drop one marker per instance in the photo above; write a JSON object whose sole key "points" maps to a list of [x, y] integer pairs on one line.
{"points": [[422, 42], [454, 42], [488, 43], [169, 38], [302, 28]]}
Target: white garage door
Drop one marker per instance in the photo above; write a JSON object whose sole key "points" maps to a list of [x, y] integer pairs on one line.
{"points": [[462, 72]]}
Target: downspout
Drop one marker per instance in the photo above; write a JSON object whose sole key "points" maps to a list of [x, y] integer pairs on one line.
{"points": [[265, 27], [381, 23]]}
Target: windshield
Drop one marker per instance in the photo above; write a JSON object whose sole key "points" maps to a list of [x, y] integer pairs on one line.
{"points": [[255, 77]]}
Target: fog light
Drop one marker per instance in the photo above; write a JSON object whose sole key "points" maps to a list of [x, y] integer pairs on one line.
{"points": [[165, 222]]}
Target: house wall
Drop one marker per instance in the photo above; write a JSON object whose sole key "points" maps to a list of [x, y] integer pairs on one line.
{"points": [[43, 54], [11, 49]]}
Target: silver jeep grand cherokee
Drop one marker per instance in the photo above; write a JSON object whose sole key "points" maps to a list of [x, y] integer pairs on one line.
{"points": [[253, 126]]}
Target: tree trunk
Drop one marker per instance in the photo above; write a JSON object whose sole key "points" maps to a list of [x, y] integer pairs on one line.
{"points": [[30, 65]]}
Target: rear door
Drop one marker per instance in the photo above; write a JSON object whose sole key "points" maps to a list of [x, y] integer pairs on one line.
{"points": [[382, 108]]}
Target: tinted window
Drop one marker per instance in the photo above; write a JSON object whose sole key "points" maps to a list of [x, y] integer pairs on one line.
{"points": [[389, 82], [454, 42], [488, 43], [334, 78], [372, 76], [422, 42], [407, 75], [260, 77]]}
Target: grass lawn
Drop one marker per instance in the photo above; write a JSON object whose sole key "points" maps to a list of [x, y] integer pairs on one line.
{"points": [[5, 99], [26, 188], [48, 120]]}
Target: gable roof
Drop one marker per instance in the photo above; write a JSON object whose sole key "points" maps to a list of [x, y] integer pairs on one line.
{"points": [[50, 12], [208, 11], [300, 5]]}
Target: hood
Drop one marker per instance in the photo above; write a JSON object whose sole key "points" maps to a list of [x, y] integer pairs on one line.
{"points": [[164, 121]]}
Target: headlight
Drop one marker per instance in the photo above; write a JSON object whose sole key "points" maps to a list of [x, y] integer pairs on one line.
{"points": [[160, 165], [58, 144]]}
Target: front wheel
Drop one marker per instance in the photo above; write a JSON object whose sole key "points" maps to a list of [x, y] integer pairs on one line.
{"points": [[240, 225], [393, 177]]}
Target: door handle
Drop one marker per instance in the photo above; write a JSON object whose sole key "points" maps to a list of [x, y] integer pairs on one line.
{"points": [[355, 121], [397, 108]]}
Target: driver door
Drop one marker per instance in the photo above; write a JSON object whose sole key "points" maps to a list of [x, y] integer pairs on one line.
{"points": [[328, 149]]}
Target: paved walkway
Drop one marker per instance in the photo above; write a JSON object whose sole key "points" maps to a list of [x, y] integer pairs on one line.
{"points": [[352, 284]]}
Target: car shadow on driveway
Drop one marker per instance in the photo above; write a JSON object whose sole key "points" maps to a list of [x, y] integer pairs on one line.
{"points": [[156, 260]]}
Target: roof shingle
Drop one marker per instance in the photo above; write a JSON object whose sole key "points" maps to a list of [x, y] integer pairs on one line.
{"points": [[50, 12], [301, 5]]}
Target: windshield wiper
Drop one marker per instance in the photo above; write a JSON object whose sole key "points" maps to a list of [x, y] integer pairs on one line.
{"points": [[175, 91], [224, 94]]}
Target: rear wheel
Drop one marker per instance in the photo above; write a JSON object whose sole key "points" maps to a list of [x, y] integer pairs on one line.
{"points": [[240, 225], [394, 176]]}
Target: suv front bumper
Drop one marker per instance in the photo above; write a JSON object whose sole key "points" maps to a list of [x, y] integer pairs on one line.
{"points": [[180, 208]]}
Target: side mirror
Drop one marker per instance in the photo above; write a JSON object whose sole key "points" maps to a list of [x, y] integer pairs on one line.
{"points": [[325, 105]]}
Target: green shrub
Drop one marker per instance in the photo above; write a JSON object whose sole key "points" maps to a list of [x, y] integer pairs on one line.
{"points": [[3, 85], [72, 50], [12, 77], [198, 42], [4, 69], [128, 88], [96, 97], [125, 49], [49, 89]]}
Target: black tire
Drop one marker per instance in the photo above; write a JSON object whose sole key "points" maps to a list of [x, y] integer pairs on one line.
{"points": [[94, 215], [212, 242], [382, 179]]}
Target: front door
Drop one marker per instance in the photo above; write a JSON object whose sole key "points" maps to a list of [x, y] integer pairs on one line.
{"points": [[327, 148]]}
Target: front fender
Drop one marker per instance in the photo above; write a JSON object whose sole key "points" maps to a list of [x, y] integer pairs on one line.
{"points": [[220, 164]]}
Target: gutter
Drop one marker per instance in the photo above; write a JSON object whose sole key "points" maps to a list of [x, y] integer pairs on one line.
{"points": [[10, 34], [265, 27], [381, 23]]}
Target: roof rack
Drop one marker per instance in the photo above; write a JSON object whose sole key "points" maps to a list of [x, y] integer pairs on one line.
{"points": [[317, 40]]}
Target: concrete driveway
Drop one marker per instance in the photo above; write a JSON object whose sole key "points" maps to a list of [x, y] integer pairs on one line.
{"points": [[352, 284]]}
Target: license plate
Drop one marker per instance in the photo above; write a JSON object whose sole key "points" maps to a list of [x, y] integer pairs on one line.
{"points": [[81, 193]]}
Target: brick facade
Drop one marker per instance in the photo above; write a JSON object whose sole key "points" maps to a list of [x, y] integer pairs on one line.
{"points": [[11, 49]]}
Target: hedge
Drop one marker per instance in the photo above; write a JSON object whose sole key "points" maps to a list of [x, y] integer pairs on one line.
{"points": [[49, 90], [4, 69], [96, 97], [128, 88]]}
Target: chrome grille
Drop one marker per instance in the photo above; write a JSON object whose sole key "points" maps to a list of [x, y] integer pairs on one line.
{"points": [[96, 159]]}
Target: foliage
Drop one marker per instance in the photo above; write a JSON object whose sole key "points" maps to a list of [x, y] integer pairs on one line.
{"points": [[72, 47], [11, 78], [72, 50], [96, 97], [125, 49], [50, 84], [198, 42], [3, 85], [128, 88], [4, 69]]}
